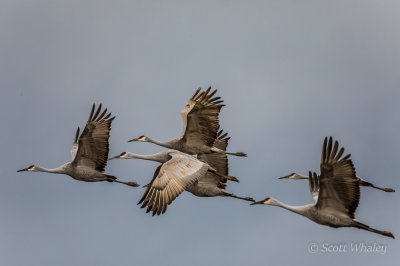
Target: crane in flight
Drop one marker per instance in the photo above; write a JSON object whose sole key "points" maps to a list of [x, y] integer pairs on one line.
{"points": [[212, 184], [177, 173], [89, 152], [336, 192], [361, 181], [200, 126]]}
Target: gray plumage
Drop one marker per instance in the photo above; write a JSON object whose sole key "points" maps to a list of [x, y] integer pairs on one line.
{"points": [[200, 126], [211, 184], [336, 192], [89, 151], [177, 173]]}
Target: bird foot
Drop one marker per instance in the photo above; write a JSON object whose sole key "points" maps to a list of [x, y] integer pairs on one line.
{"points": [[132, 184], [389, 190]]}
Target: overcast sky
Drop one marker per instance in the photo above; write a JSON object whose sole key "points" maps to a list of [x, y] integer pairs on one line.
{"points": [[290, 72]]}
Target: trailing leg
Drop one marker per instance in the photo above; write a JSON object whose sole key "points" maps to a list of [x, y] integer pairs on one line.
{"points": [[373, 230], [240, 154], [111, 178], [227, 194], [130, 183]]}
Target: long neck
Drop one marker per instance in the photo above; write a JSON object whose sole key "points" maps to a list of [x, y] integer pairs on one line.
{"points": [[58, 170], [173, 144], [298, 176], [161, 157], [302, 210]]}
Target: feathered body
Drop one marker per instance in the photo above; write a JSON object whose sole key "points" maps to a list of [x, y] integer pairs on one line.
{"points": [[200, 118], [336, 192], [89, 151]]}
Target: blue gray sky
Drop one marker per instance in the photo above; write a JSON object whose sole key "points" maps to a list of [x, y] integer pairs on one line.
{"points": [[290, 72]]}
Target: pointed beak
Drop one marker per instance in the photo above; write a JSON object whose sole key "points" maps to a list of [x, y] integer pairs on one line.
{"points": [[132, 140], [115, 157], [284, 177], [257, 202], [23, 170]]}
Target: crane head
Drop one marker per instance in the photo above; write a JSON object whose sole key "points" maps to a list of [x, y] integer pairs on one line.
{"points": [[30, 168], [141, 138], [120, 156], [293, 176]]}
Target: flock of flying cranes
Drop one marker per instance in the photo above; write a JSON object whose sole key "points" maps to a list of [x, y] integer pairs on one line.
{"points": [[198, 163]]}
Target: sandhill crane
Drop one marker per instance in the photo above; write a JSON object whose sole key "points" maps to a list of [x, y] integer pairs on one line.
{"points": [[89, 152], [361, 181], [200, 126], [211, 184], [336, 192], [178, 171]]}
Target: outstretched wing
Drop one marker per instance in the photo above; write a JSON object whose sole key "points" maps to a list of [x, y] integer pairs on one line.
{"points": [[200, 118], [170, 180], [75, 145], [93, 142], [338, 185], [218, 161], [313, 181]]}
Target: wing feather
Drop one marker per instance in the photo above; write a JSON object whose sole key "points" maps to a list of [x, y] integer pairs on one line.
{"points": [[75, 145], [338, 185], [218, 161], [170, 180], [314, 185], [200, 118], [93, 143]]}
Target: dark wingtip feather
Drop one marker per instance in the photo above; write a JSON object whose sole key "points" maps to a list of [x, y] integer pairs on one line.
{"points": [[102, 115], [195, 94], [346, 157], [77, 135], [329, 149], [212, 94], [107, 116], [323, 153], [97, 113], [334, 151], [91, 112]]}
